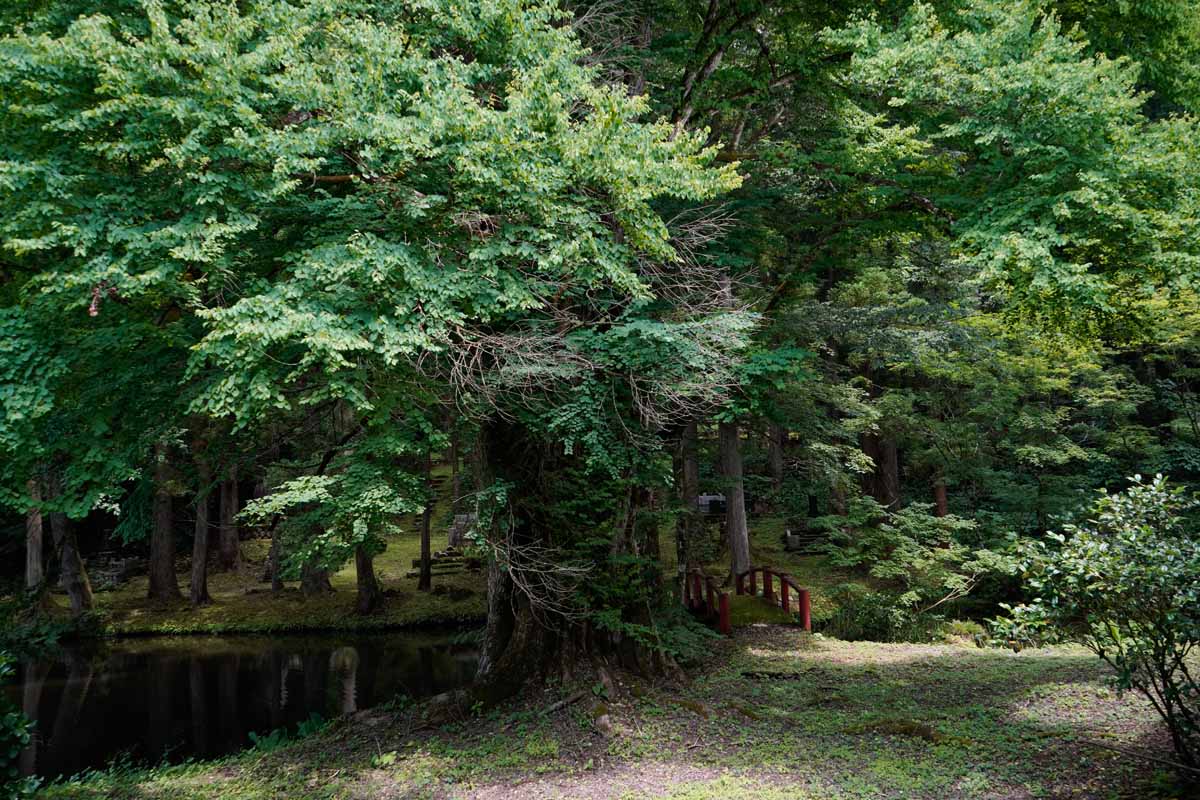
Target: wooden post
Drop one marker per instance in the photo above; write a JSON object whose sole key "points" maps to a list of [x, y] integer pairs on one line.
{"points": [[768, 585], [805, 609], [723, 624], [783, 594], [753, 582]]}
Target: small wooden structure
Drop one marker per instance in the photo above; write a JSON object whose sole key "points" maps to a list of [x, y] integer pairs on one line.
{"points": [[749, 579], [702, 595]]}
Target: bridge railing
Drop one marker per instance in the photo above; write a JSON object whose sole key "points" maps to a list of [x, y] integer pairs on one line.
{"points": [[786, 582], [702, 594]]}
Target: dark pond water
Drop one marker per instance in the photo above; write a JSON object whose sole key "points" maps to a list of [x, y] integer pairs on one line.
{"points": [[203, 696]]}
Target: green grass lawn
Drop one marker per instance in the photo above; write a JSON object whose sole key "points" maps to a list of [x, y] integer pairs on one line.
{"points": [[815, 718]]}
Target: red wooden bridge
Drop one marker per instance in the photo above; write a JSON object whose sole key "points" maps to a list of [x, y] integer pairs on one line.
{"points": [[703, 595]]}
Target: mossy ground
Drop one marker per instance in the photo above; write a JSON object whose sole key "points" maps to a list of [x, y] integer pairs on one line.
{"points": [[243, 603], [834, 720]]}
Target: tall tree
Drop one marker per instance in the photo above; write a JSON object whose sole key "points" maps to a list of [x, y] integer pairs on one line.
{"points": [[737, 530], [35, 570], [164, 583]]}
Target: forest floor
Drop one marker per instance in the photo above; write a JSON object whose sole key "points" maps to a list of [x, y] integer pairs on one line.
{"points": [[243, 603], [848, 720]]}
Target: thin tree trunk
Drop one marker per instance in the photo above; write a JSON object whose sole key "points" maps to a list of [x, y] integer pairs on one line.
{"points": [[736, 528], [35, 571], [164, 584], [455, 478], [689, 525], [425, 582], [775, 438], [941, 503], [869, 444], [199, 585], [273, 559], [369, 594], [889, 474], [230, 553], [71, 567]]}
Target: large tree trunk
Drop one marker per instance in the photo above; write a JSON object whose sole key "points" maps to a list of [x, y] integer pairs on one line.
{"points": [[164, 585], [314, 581], [525, 636], [35, 571], [230, 550], [513, 646], [425, 582], [74, 574], [883, 482], [736, 528], [369, 595], [199, 584]]}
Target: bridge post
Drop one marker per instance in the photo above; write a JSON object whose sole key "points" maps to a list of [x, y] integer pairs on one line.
{"points": [[805, 609], [768, 585], [783, 594], [723, 623]]}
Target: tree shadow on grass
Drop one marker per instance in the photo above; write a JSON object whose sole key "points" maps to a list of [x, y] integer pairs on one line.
{"points": [[871, 720]]}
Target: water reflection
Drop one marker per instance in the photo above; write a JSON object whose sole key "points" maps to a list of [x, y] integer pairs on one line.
{"points": [[203, 696]]}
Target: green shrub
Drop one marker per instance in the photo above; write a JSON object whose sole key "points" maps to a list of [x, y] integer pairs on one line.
{"points": [[1126, 584], [865, 615], [15, 733], [921, 565]]}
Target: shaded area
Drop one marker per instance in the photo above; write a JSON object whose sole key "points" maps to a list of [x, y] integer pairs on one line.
{"points": [[203, 696], [857, 721]]}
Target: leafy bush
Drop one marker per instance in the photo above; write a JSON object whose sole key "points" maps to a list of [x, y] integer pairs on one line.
{"points": [[1126, 584], [921, 564], [15, 733], [865, 615]]}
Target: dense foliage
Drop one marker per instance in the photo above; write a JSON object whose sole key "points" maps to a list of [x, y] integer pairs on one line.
{"points": [[916, 278]]}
